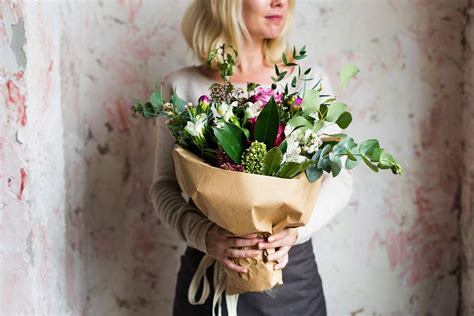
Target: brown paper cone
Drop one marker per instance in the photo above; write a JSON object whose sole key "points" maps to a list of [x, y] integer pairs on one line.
{"points": [[245, 203]]}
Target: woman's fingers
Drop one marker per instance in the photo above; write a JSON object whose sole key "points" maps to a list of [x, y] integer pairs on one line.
{"points": [[282, 263], [279, 243], [280, 253], [242, 242], [241, 253], [286, 237], [249, 236], [280, 235], [232, 266]]}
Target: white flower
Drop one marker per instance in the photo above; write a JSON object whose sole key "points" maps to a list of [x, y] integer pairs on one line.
{"points": [[253, 109], [224, 110], [218, 58], [197, 127], [293, 149], [229, 51], [311, 141]]}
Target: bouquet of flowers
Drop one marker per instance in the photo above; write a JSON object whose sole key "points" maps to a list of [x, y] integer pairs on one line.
{"points": [[266, 146]]}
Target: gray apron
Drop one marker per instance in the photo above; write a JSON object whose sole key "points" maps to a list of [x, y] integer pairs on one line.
{"points": [[301, 293]]}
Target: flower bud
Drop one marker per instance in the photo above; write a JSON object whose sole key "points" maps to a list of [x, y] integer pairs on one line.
{"points": [[204, 102]]}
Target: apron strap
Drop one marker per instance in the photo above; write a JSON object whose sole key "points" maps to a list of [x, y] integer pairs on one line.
{"points": [[219, 282]]}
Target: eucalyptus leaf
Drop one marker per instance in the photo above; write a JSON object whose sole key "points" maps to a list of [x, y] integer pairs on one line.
{"points": [[336, 166], [335, 110], [344, 120], [298, 121], [370, 165], [351, 163], [350, 155], [310, 102], [156, 100], [347, 72], [324, 162], [368, 146], [148, 110], [178, 102], [318, 124], [313, 173], [375, 157]]}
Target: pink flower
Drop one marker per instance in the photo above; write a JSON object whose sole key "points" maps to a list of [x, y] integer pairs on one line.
{"points": [[252, 122], [298, 101], [280, 135], [263, 95]]}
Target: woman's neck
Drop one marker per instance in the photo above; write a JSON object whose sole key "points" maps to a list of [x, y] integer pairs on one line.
{"points": [[250, 58]]}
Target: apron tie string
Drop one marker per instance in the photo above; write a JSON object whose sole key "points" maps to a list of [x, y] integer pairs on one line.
{"points": [[219, 283]]}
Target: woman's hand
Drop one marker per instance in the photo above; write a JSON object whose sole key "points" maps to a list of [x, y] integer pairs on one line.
{"points": [[282, 241], [221, 245]]}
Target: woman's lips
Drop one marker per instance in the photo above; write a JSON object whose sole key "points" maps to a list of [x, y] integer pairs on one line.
{"points": [[276, 18]]}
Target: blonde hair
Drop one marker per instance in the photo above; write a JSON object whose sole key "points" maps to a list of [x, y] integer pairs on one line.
{"points": [[207, 24]]}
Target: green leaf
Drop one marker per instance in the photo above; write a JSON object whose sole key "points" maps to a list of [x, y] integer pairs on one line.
{"points": [[368, 146], [310, 102], [277, 71], [293, 82], [350, 155], [347, 72], [290, 169], [297, 121], [385, 157], [318, 124], [282, 74], [370, 165], [237, 131], [351, 163], [230, 143], [272, 161], [178, 102], [246, 132], [335, 110], [344, 120], [313, 173], [336, 166], [375, 157], [283, 57], [148, 110], [266, 127], [156, 100], [324, 161]]}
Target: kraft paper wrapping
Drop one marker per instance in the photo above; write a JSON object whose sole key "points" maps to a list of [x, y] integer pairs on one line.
{"points": [[245, 203]]}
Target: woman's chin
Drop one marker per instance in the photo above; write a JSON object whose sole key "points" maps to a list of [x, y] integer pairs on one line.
{"points": [[272, 35]]}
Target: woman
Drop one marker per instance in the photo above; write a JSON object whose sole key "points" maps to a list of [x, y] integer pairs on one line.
{"points": [[258, 30]]}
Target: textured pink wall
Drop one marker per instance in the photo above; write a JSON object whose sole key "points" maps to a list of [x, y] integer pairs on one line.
{"points": [[76, 168], [32, 224], [467, 214]]}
